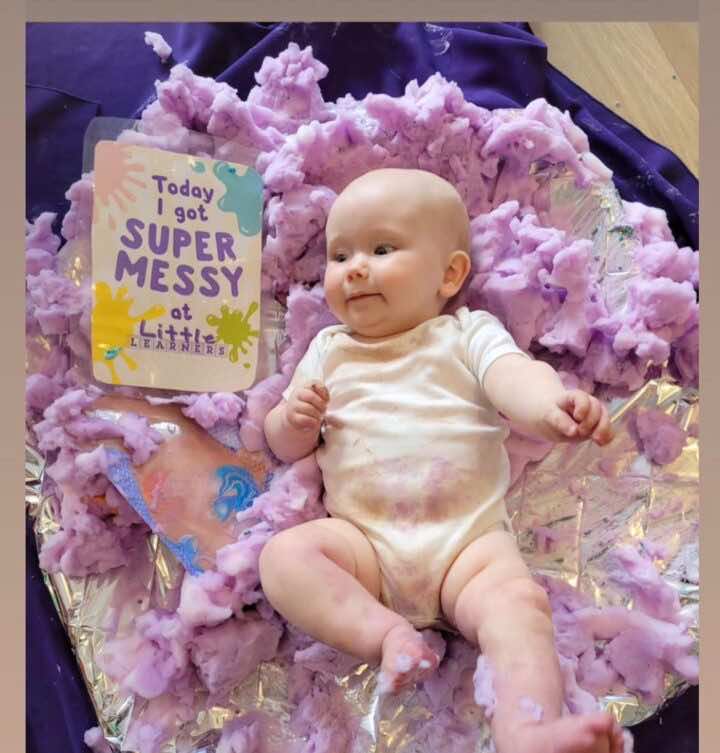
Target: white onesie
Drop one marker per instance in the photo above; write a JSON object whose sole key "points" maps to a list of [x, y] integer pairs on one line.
{"points": [[412, 451]]}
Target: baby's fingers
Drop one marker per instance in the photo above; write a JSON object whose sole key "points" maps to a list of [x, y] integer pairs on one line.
{"points": [[308, 396], [303, 421], [558, 420], [320, 390], [306, 409], [575, 403], [603, 431], [591, 419]]}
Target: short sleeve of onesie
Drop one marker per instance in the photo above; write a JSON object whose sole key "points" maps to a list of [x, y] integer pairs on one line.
{"points": [[310, 367], [486, 339]]}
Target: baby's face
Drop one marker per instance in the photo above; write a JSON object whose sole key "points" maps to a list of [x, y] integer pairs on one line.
{"points": [[387, 247]]}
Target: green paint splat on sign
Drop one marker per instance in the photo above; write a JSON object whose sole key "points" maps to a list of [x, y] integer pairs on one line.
{"points": [[233, 328]]}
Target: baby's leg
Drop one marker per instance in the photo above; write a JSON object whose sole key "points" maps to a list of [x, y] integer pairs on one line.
{"points": [[323, 577], [489, 595]]}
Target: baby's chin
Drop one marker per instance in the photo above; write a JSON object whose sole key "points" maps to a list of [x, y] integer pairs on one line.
{"points": [[378, 321], [382, 328], [369, 332], [370, 329]]}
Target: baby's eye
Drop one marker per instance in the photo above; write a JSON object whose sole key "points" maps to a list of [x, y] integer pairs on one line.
{"points": [[383, 249], [339, 256]]}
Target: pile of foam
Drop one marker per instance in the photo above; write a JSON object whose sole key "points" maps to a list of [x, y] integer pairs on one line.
{"points": [[537, 279]]}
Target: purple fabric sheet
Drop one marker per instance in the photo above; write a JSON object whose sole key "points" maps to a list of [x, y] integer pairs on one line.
{"points": [[78, 71]]}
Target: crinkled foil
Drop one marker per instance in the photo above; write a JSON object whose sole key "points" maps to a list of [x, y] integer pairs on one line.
{"points": [[596, 213], [591, 498]]}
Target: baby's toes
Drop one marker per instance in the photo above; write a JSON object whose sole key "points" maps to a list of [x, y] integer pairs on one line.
{"points": [[407, 659]]}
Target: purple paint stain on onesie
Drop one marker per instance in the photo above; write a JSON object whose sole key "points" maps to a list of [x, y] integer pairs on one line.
{"points": [[393, 476], [404, 509], [436, 502]]}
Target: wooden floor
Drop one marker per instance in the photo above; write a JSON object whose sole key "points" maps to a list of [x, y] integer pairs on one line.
{"points": [[645, 72]]}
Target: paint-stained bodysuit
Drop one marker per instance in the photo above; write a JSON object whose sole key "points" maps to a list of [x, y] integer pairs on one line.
{"points": [[412, 451]]}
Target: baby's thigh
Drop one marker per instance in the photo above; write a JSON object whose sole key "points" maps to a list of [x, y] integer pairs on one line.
{"points": [[333, 539], [493, 555]]}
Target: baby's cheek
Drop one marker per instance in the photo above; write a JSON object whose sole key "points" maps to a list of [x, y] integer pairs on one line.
{"points": [[333, 290]]}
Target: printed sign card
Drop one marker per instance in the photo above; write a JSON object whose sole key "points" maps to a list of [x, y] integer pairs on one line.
{"points": [[176, 244]]}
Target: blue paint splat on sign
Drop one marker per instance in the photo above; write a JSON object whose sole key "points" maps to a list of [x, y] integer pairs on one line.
{"points": [[243, 198]]}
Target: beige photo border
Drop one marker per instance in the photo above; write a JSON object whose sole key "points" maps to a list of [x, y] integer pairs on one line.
{"points": [[12, 113]]}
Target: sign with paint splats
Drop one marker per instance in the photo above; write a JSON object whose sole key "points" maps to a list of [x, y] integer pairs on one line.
{"points": [[176, 244]]}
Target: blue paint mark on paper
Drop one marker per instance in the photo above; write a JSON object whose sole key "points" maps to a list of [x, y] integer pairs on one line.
{"points": [[237, 491], [122, 475], [186, 552]]}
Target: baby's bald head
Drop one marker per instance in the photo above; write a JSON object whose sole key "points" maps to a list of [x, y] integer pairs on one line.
{"points": [[426, 201]]}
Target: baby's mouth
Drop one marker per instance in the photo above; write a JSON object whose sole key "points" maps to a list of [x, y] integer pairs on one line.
{"points": [[362, 296]]}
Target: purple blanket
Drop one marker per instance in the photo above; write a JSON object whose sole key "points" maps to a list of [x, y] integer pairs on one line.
{"points": [[78, 71]]}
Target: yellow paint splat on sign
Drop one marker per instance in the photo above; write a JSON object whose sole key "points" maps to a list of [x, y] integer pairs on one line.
{"points": [[113, 327], [176, 242]]}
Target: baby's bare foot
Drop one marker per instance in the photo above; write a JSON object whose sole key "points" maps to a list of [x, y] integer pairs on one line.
{"points": [[589, 733], [406, 659]]}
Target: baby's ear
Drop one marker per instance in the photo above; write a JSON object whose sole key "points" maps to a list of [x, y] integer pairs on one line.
{"points": [[457, 269]]}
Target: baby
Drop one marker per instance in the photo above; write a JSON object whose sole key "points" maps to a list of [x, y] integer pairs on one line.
{"points": [[402, 404]]}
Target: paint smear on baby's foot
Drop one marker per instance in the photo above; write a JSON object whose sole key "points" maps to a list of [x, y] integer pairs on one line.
{"points": [[483, 680], [628, 742], [533, 709]]}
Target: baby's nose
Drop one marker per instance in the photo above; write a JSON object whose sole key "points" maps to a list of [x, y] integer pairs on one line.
{"points": [[358, 269]]}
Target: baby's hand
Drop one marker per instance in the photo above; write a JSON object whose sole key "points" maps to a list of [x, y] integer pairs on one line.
{"points": [[306, 407], [576, 415]]}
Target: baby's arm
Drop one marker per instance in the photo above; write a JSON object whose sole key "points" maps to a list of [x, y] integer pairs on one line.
{"points": [[531, 394], [292, 428]]}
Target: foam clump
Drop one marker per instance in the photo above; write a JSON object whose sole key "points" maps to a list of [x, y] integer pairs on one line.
{"points": [[294, 497], [635, 572], [207, 409], [641, 645], [159, 46], [95, 740], [243, 735], [658, 436], [225, 655], [322, 716]]}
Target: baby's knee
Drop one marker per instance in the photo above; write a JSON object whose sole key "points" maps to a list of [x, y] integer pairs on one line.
{"points": [[505, 599], [523, 593], [280, 552]]}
